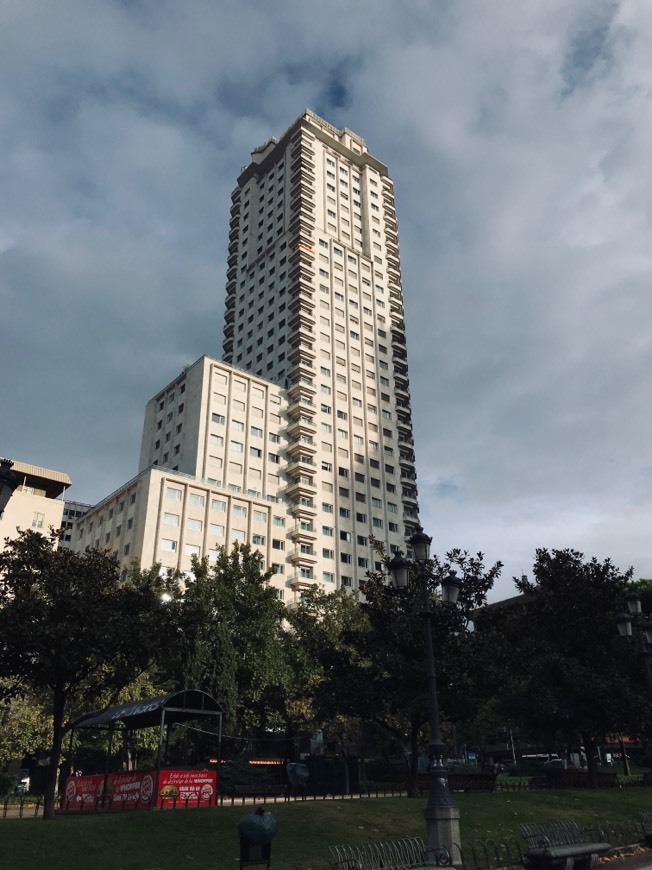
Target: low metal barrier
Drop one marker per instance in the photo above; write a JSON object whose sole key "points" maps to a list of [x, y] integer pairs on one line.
{"points": [[631, 832], [403, 854], [502, 851], [23, 808]]}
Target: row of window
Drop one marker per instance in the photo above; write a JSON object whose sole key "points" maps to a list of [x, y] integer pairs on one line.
{"points": [[169, 399], [239, 426], [173, 493], [100, 520]]}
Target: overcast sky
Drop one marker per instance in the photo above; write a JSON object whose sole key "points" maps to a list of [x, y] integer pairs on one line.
{"points": [[518, 134]]}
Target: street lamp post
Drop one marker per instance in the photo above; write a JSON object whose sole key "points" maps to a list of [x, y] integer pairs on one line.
{"points": [[632, 622], [442, 816], [8, 483]]}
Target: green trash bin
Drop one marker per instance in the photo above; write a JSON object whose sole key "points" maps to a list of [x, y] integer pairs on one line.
{"points": [[257, 830]]}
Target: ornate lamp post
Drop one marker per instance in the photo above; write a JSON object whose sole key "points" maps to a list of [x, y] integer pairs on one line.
{"points": [[442, 816], [633, 622], [8, 483]]}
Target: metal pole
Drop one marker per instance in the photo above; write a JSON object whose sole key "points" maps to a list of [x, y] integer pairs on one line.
{"points": [[441, 815], [511, 743], [107, 765], [439, 795], [158, 758], [644, 657]]}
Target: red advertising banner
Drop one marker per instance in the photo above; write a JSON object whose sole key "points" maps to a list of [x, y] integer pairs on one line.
{"points": [[126, 789], [132, 790], [191, 787], [82, 792]]}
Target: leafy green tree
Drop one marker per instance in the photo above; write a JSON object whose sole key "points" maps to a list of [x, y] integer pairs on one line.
{"points": [[395, 647], [229, 639], [318, 650], [25, 726], [71, 629], [553, 656], [372, 663]]}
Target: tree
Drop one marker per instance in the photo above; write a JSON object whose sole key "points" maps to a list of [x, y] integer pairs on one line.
{"points": [[553, 656], [374, 667], [228, 641], [319, 651], [396, 646], [25, 727], [72, 628]]}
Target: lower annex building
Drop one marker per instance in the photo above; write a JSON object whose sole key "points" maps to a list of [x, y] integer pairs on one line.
{"points": [[216, 447]]}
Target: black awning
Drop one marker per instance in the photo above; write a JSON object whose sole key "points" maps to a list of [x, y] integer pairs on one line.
{"points": [[146, 712]]}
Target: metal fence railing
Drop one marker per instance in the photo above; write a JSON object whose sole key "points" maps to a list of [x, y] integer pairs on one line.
{"points": [[21, 808]]}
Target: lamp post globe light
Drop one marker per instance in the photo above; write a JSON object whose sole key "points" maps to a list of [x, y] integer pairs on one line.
{"points": [[442, 816], [632, 622], [8, 483]]}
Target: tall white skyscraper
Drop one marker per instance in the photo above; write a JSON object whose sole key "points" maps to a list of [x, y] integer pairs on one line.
{"points": [[314, 302], [300, 441]]}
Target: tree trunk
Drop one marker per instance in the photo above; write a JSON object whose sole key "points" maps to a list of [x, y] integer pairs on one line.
{"points": [[623, 754], [59, 704], [413, 767], [591, 766]]}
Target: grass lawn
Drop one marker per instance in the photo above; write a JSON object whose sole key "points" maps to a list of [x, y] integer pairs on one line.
{"points": [[206, 839]]}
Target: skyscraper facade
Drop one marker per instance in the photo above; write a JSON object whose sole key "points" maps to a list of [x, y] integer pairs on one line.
{"points": [[314, 302], [300, 440]]}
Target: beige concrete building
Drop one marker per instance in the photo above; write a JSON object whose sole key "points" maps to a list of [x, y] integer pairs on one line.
{"points": [[211, 472], [300, 441], [37, 503], [314, 302]]}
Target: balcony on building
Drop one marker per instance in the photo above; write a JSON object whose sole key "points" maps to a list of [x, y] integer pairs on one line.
{"points": [[403, 411], [407, 475], [300, 464], [301, 386], [302, 353], [303, 509], [302, 153], [302, 256], [402, 393], [302, 316], [400, 365], [302, 487], [302, 425], [410, 497], [303, 222], [300, 407], [302, 181], [301, 302], [303, 533], [303, 557], [302, 445], [300, 584]]}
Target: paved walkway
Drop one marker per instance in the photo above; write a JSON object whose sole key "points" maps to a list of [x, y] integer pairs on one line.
{"points": [[641, 861]]}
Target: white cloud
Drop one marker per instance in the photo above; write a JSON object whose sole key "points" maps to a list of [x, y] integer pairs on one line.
{"points": [[518, 137]]}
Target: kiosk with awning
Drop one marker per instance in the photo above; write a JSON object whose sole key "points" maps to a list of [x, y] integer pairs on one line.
{"points": [[164, 786]]}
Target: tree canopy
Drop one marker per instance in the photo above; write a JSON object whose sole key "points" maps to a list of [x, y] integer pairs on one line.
{"points": [[571, 679], [371, 657], [228, 639], [71, 628]]}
